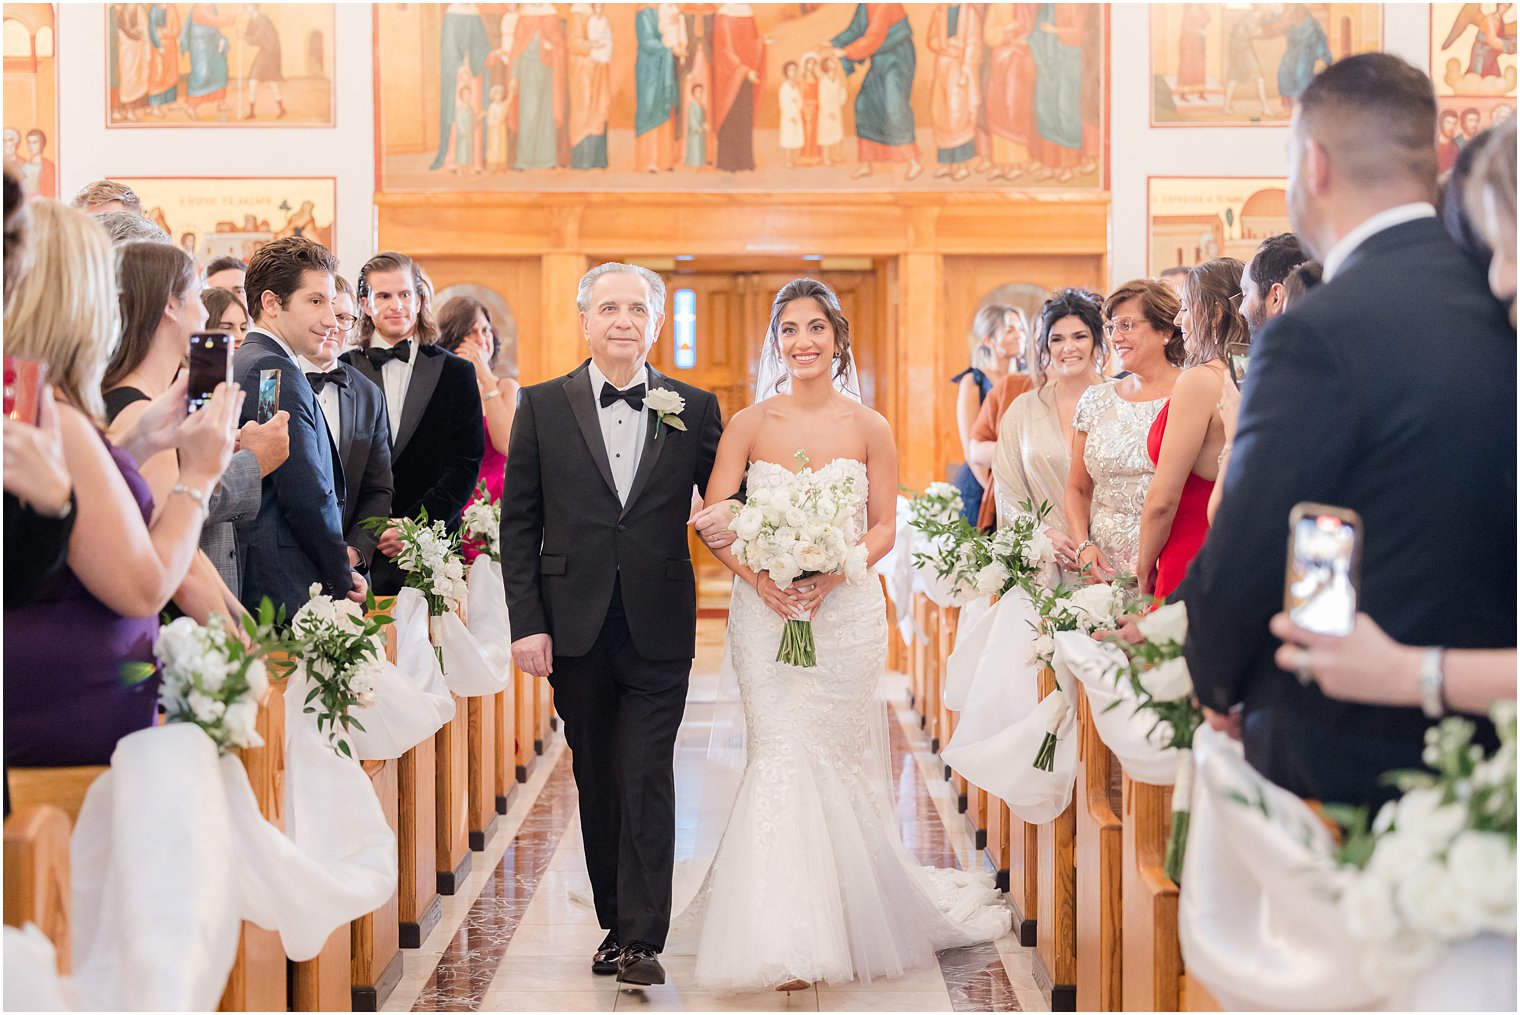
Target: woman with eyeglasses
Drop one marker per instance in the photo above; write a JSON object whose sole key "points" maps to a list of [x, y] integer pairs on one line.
{"points": [[1110, 466], [1188, 436]]}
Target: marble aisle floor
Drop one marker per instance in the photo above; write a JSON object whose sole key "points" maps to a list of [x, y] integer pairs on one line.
{"points": [[518, 937]]}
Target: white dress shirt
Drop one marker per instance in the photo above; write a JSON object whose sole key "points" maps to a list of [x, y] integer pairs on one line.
{"points": [[328, 399], [397, 377], [623, 430], [1382, 220]]}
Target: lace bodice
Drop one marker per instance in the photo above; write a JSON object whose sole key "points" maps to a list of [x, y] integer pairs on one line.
{"points": [[1120, 467]]}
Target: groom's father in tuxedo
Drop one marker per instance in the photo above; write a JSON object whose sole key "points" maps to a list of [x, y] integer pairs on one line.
{"points": [[602, 596], [1378, 391], [297, 537]]}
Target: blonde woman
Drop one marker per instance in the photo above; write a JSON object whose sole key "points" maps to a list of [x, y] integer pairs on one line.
{"points": [[68, 655]]}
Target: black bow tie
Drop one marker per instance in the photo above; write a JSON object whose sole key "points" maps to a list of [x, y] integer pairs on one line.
{"points": [[634, 396], [322, 380], [379, 356]]}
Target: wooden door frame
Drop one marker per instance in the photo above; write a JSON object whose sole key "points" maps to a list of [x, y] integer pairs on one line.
{"points": [[908, 234]]}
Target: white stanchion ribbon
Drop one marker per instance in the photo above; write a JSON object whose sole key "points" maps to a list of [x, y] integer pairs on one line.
{"points": [[1131, 735], [154, 864], [467, 667], [971, 632], [31, 975], [1259, 929], [489, 621], [415, 657]]}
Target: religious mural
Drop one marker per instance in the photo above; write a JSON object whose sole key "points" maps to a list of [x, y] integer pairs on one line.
{"points": [[31, 96], [229, 65], [211, 217], [1193, 219], [1238, 65], [1472, 62], [784, 96]]}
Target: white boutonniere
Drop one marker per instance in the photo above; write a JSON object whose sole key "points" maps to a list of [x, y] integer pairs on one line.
{"points": [[667, 407]]}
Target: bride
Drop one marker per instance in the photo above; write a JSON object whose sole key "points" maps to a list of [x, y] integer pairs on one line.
{"points": [[811, 881]]}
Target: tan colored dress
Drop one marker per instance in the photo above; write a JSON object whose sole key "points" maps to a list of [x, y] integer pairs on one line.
{"points": [[1120, 467], [1032, 459]]}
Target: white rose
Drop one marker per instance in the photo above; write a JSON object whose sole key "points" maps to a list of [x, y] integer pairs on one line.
{"points": [[1169, 681], [177, 640], [1481, 870], [1044, 648], [258, 680], [205, 708], [812, 558], [1426, 898], [991, 579], [783, 568], [241, 720], [1422, 816], [1167, 624], [664, 400], [746, 524], [856, 566], [1093, 605], [1039, 550], [1367, 905], [796, 517]]}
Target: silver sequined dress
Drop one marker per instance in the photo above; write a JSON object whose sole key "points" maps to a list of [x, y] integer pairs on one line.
{"points": [[1120, 467]]}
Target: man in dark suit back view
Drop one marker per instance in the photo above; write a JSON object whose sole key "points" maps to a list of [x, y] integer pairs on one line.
{"points": [[1389, 390], [297, 537]]}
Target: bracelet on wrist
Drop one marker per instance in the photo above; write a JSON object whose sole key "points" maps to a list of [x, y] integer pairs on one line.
{"points": [[488, 395], [1432, 683], [195, 495]]}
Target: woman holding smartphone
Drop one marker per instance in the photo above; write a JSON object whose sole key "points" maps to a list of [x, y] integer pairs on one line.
{"points": [[66, 656]]}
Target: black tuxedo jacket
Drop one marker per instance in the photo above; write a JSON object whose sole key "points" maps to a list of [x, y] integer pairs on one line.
{"points": [[365, 449], [297, 537], [565, 538], [435, 460], [1391, 391]]}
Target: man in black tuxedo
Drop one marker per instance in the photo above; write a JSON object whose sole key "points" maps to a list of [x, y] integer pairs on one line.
{"points": [[437, 436], [354, 411], [1389, 390], [296, 538], [602, 596]]}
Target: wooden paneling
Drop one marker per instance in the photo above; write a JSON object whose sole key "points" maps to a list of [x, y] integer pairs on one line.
{"points": [[374, 941], [417, 844], [505, 728], [37, 874], [452, 799], [1152, 951], [1056, 948], [323, 984], [63, 788], [482, 769], [1098, 858]]}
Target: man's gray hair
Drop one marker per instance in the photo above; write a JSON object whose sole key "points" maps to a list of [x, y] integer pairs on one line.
{"points": [[588, 282], [127, 226]]}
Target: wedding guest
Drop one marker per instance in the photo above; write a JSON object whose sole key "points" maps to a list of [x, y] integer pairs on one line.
{"points": [[1187, 438], [354, 410], [1022, 376], [1110, 469], [1453, 209], [1317, 425], [227, 273], [39, 495], [995, 347], [1175, 277], [129, 226], [107, 195], [299, 525], [1033, 456], [225, 311], [66, 699], [464, 326], [437, 438], [1367, 665], [1300, 280], [346, 313]]}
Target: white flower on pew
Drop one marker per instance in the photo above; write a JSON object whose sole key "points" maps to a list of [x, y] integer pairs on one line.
{"points": [[1095, 607], [1169, 681], [212, 680], [340, 649], [481, 523], [429, 558], [1165, 624]]}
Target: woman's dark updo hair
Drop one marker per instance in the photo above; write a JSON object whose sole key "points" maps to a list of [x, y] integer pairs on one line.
{"points": [[1083, 304], [803, 288]]}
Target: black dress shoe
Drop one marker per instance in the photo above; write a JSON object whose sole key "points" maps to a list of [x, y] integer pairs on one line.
{"points": [[605, 961], [640, 966]]}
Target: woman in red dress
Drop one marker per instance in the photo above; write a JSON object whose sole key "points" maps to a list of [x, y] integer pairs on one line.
{"points": [[1188, 436]]}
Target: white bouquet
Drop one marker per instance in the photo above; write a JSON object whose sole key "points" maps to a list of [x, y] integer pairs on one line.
{"points": [[482, 523], [430, 559], [939, 504], [804, 526], [212, 680], [341, 650], [1438, 864]]}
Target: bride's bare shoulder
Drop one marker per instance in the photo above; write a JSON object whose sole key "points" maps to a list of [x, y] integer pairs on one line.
{"points": [[871, 422]]}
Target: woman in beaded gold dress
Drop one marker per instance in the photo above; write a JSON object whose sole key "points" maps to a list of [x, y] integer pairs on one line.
{"points": [[1110, 466]]}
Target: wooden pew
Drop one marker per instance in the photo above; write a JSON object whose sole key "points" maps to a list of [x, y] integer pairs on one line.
{"points": [[482, 769], [947, 624], [374, 939], [1098, 858], [1055, 964], [919, 656], [37, 886], [258, 978], [63, 788], [1152, 953], [526, 693], [1020, 857], [504, 706], [452, 795], [1195, 997]]}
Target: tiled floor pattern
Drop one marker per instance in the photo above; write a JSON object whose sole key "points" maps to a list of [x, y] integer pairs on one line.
{"points": [[514, 938]]}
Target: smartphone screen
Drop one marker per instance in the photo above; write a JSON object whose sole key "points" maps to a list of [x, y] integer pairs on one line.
{"points": [[23, 388], [210, 365], [269, 395], [1323, 552]]}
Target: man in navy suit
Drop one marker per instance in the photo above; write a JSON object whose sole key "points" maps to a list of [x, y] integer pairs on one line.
{"points": [[298, 532]]}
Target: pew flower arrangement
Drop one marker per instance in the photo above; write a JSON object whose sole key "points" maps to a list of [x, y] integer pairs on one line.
{"points": [[482, 523], [212, 679], [340, 648], [1437, 866], [1159, 677], [430, 559], [939, 504], [802, 526]]}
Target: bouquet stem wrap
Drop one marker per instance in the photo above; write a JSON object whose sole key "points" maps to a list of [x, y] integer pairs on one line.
{"points": [[1045, 757], [1182, 795]]}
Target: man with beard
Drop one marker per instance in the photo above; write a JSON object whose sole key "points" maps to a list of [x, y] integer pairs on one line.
{"points": [[1261, 287]]}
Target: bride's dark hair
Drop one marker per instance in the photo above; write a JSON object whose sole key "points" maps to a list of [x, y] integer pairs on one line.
{"points": [[802, 288]]}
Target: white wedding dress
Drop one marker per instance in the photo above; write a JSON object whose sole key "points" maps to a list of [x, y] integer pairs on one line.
{"points": [[811, 880]]}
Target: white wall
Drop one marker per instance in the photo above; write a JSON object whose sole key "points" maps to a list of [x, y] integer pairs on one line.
{"points": [[1140, 151], [89, 151]]}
